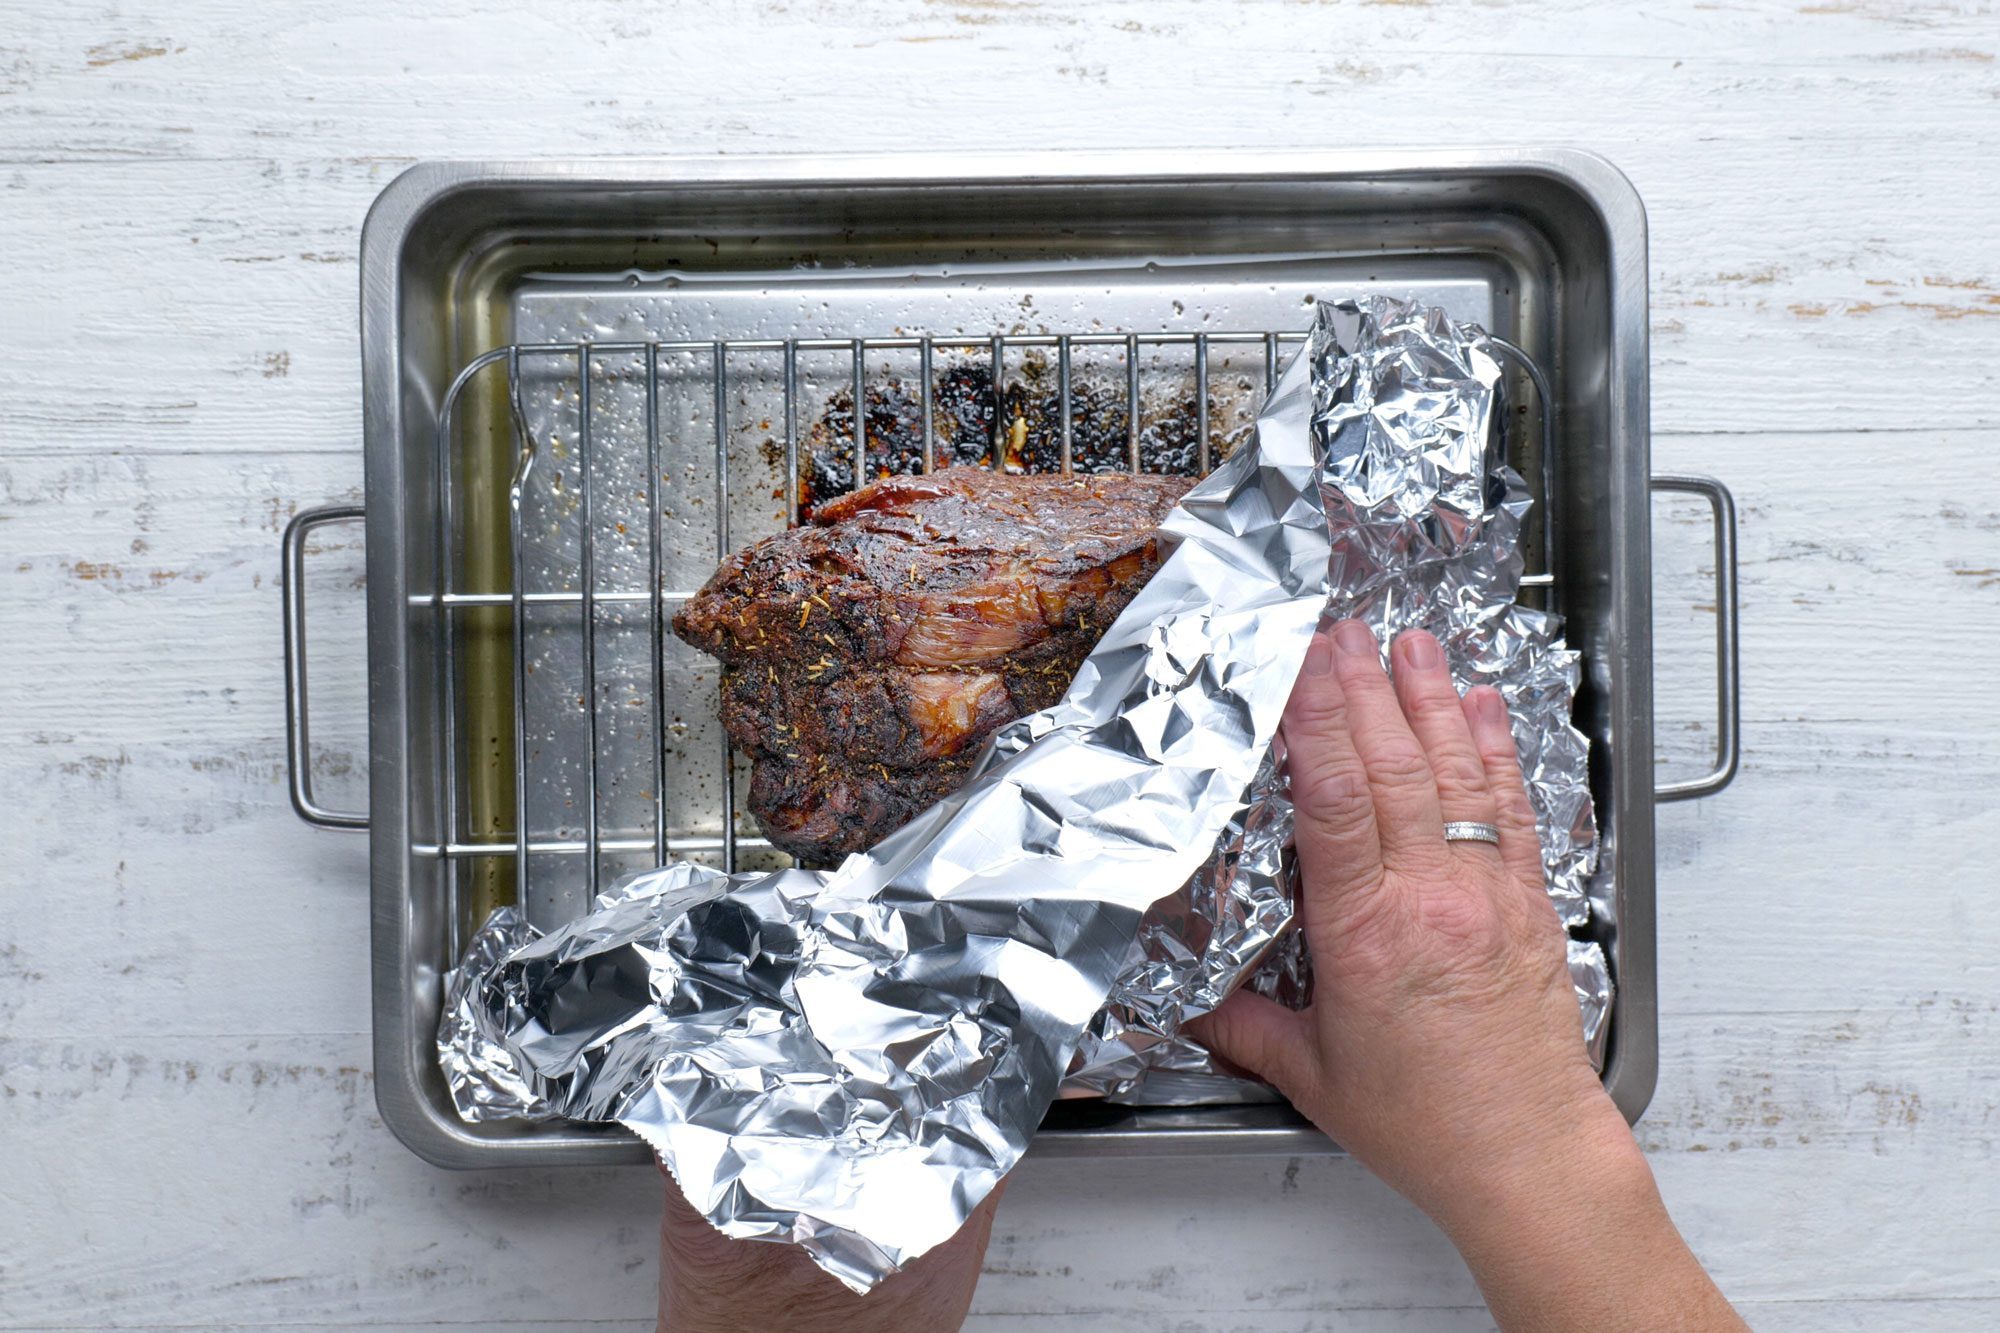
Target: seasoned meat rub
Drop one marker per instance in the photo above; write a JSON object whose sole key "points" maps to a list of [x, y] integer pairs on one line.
{"points": [[867, 654]]}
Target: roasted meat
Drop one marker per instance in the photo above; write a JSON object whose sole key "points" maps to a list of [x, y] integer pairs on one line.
{"points": [[964, 410], [866, 655]]}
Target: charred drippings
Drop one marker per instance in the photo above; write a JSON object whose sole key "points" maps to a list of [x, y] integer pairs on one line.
{"points": [[1021, 426]]}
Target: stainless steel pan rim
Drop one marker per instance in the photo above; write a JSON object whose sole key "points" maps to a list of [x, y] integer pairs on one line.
{"points": [[394, 319]]}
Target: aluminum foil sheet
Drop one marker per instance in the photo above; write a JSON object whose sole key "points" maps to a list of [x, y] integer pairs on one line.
{"points": [[851, 1059], [1426, 522]]}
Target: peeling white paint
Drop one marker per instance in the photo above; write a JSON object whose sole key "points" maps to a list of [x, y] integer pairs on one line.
{"points": [[187, 1130]]}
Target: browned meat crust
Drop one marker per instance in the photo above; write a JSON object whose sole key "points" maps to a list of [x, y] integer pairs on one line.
{"points": [[868, 654]]}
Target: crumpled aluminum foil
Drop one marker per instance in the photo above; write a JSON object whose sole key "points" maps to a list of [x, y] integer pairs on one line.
{"points": [[1427, 524], [852, 1059]]}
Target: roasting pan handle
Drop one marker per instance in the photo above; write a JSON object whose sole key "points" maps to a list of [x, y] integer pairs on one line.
{"points": [[1728, 686], [298, 742]]}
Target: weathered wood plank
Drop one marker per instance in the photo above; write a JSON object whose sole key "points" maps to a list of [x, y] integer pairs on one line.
{"points": [[1775, 1043], [159, 579], [477, 78], [1921, 1316], [175, 648], [1824, 271], [644, 1325], [320, 1216], [133, 843], [191, 308], [161, 570], [187, 1135], [1834, 1316], [249, 1179]]}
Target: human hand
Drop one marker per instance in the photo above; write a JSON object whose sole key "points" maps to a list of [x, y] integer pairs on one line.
{"points": [[710, 1282], [1444, 1045], [1444, 1037]]}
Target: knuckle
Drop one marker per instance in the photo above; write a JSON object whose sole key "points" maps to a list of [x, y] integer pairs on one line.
{"points": [[1515, 816], [1523, 839], [1510, 793], [1315, 719], [1526, 866], [1459, 772], [1510, 798], [1331, 792], [1440, 704], [1399, 766], [1497, 746], [1266, 1054], [1511, 789], [1315, 711], [1257, 1047]]}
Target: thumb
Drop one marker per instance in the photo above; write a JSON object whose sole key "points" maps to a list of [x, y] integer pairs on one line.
{"points": [[1256, 1033]]}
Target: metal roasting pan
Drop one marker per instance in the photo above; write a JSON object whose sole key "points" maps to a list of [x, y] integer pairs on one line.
{"points": [[464, 264]]}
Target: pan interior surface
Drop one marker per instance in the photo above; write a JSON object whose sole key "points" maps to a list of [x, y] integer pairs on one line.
{"points": [[476, 258]]}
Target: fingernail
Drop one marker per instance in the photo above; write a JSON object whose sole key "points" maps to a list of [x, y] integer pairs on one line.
{"points": [[1420, 650], [1489, 705], [1356, 639], [1319, 657]]}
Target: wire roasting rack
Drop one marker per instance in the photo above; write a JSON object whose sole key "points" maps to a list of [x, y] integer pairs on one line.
{"points": [[602, 525], [615, 279]]}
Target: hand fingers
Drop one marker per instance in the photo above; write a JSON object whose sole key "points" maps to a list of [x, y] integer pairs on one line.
{"points": [[1520, 846], [1437, 717], [1335, 831], [1408, 822], [1256, 1033]]}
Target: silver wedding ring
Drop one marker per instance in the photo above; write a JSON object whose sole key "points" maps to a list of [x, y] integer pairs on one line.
{"points": [[1463, 830]]}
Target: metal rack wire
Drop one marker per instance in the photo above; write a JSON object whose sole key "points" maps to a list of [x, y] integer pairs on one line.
{"points": [[587, 371]]}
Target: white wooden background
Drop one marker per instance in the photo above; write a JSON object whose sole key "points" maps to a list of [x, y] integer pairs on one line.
{"points": [[187, 1129]]}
